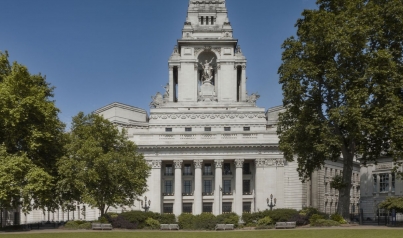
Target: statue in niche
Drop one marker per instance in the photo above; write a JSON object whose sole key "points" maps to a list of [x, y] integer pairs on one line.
{"points": [[157, 100], [252, 98], [166, 87], [207, 71]]}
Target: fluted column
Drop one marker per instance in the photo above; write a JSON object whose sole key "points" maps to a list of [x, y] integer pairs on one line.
{"points": [[198, 199], [178, 187], [238, 186], [156, 186], [218, 186]]}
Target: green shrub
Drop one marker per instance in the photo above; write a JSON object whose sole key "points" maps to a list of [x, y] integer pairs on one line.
{"points": [[103, 219], [167, 219], [204, 221], [315, 218], [85, 226], [338, 218], [139, 217], [282, 215], [323, 222], [75, 225], [152, 223], [264, 227], [71, 225], [228, 218], [264, 221], [185, 221], [249, 218]]}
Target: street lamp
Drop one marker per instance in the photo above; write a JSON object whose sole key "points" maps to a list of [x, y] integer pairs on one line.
{"points": [[271, 204], [145, 207]]}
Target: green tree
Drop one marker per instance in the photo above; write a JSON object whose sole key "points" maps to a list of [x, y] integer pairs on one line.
{"points": [[342, 80], [31, 138], [102, 167], [392, 203]]}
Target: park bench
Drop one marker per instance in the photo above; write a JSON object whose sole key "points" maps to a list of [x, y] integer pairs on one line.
{"points": [[101, 226], [169, 227], [224, 227], [286, 225]]}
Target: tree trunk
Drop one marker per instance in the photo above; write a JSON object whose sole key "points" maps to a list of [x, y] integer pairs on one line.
{"points": [[343, 205]]}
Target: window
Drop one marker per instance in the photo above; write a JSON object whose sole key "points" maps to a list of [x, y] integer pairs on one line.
{"points": [[383, 182], [227, 187], [188, 128], [207, 128], [168, 186], [246, 207], [207, 20], [78, 212], [227, 128], [227, 169], [187, 170], [207, 187], [246, 128], [375, 184], [168, 129], [393, 182], [168, 208], [208, 207], [168, 170], [246, 168], [246, 187], [207, 169], [326, 188], [187, 208], [226, 207], [187, 187], [202, 20]]}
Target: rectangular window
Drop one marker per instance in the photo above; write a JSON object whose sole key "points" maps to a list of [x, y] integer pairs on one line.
{"points": [[227, 128], [326, 188], [246, 168], [168, 170], [208, 187], [246, 128], [227, 187], [246, 187], [188, 128], [207, 128], [247, 207], [187, 208], [208, 207], [393, 182], [383, 182], [168, 208], [187, 170], [187, 187], [227, 169], [207, 169], [168, 129], [375, 184], [168, 186], [226, 207]]}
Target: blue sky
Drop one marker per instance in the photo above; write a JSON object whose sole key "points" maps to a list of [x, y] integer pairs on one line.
{"points": [[96, 52]]}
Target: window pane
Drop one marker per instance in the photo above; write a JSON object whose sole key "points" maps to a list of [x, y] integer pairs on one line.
{"points": [[188, 129], [227, 187], [246, 168], [207, 128], [383, 182], [374, 177], [207, 187], [226, 207], [168, 208], [227, 168], [246, 187], [207, 169], [247, 207], [208, 207], [187, 208], [168, 186], [168, 129], [187, 170], [227, 128], [187, 187], [246, 128]]}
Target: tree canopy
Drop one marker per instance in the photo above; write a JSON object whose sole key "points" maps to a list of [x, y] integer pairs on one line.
{"points": [[102, 167], [391, 203], [342, 81]]}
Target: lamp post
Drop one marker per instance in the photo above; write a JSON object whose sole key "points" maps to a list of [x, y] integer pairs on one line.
{"points": [[270, 202], [145, 207]]}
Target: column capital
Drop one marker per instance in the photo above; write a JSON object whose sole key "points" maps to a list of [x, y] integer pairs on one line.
{"points": [[239, 163], [260, 163], [198, 163], [178, 164], [155, 164], [218, 163]]}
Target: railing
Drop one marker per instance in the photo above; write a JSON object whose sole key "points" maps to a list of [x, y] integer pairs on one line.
{"points": [[187, 194], [208, 194], [168, 194], [227, 193]]}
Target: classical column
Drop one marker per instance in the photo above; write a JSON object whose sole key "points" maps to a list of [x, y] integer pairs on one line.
{"points": [[218, 186], [238, 186], [260, 185], [156, 186], [171, 84], [198, 199], [243, 84], [178, 187]]}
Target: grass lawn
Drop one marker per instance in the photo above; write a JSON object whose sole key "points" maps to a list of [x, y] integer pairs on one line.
{"points": [[311, 233]]}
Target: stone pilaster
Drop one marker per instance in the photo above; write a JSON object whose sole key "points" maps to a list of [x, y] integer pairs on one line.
{"points": [[178, 187], [218, 186], [198, 199], [156, 186], [260, 184], [238, 186]]}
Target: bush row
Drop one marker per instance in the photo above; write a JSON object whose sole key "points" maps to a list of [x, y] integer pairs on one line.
{"points": [[139, 220], [206, 221], [76, 225]]}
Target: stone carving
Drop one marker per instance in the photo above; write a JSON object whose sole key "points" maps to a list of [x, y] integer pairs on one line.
{"points": [[176, 50], [218, 163], [178, 164], [238, 49], [157, 100], [252, 98], [239, 163], [156, 164], [207, 71], [260, 163], [166, 94], [208, 2], [198, 163]]}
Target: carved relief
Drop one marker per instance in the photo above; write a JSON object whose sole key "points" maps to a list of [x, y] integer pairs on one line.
{"points": [[198, 163], [218, 163], [260, 163], [157, 100], [208, 116], [252, 98], [239, 163], [178, 164]]}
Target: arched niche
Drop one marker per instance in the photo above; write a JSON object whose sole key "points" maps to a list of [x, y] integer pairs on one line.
{"points": [[203, 58]]}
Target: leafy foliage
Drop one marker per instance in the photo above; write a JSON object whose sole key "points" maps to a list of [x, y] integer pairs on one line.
{"points": [[186, 221], [228, 218], [265, 221], [101, 167], [392, 203], [324, 222], [338, 218], [276, 215], [76, 225], [342, 80], [205, 221], [152, 223], [337, 182]]}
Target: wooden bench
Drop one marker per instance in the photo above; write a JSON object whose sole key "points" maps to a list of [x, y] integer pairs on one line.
{"points": [[286, 225], [224, 227], [169, 227], [101, 226]]}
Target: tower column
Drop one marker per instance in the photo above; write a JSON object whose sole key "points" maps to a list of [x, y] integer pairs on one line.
{"points": [[238, 186], [178, 187], [198, 199], [243, 84], [218, 186]]}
